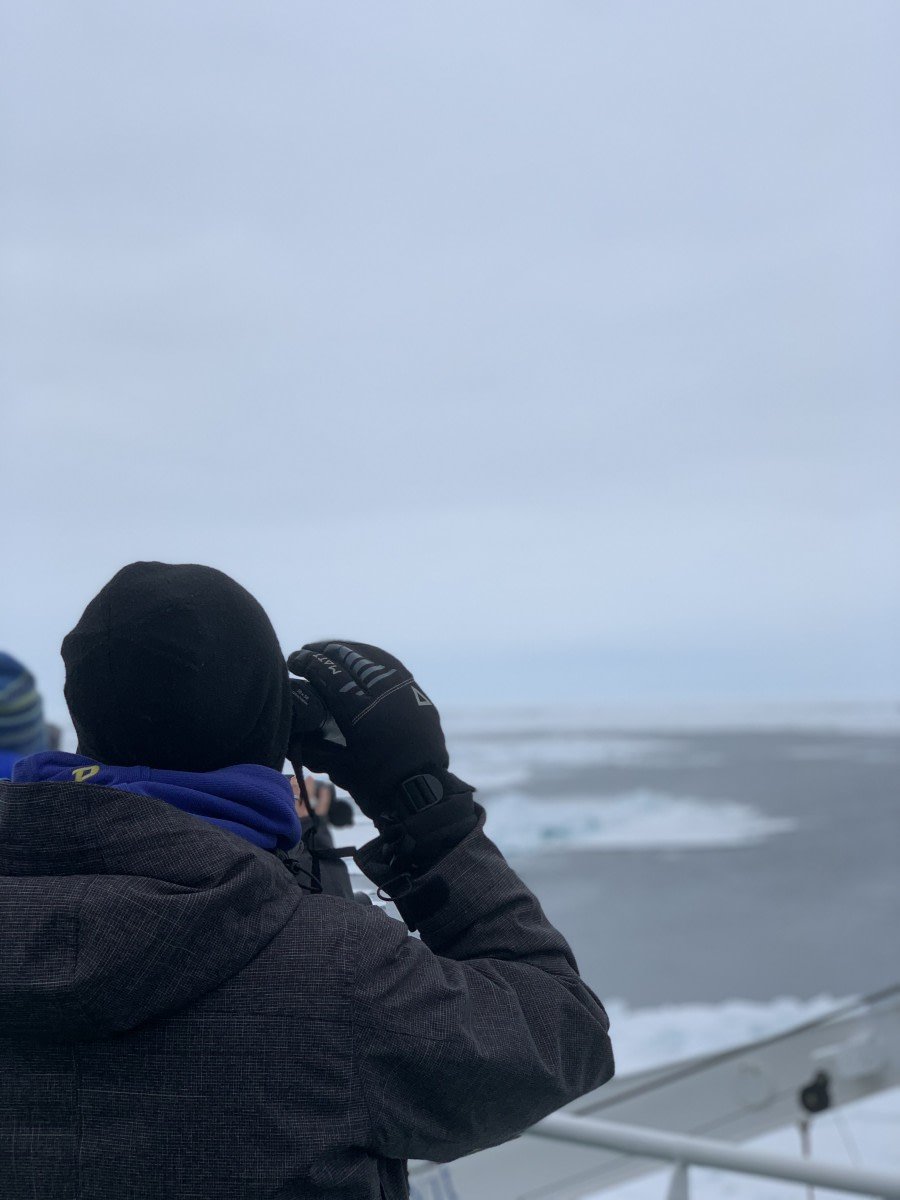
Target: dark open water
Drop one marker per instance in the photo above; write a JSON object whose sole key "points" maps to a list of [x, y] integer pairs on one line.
{"points": [[811, 911]]}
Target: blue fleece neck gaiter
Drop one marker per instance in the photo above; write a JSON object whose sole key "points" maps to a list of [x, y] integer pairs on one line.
{"points": [[252, 801], [8, 760]]}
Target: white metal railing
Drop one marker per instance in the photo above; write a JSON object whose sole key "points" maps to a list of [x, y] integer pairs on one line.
{"points": [[687, 1151]]}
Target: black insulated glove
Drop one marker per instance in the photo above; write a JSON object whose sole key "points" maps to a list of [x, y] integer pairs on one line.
{"points": [[365, 721]]}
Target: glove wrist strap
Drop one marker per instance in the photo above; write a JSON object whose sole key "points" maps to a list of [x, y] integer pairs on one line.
{"points": [[418, 793]]}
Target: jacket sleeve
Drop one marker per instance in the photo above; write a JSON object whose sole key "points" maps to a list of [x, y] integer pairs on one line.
{"points": [[465, 1038]]}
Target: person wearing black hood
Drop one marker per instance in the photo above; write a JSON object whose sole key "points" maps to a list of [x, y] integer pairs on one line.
{"points": [[160, 1035]]}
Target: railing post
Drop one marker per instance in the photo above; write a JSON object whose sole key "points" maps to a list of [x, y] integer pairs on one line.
{"points": [[679, 1187]]}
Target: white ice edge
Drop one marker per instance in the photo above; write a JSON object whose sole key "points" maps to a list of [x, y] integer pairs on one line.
{"points": [[635, 820]]}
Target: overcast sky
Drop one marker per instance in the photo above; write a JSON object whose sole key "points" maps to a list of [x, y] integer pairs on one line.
{"points": [[552, 345]]}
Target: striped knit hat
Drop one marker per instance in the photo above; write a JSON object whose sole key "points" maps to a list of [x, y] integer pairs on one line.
{"points": [[22, 728]]}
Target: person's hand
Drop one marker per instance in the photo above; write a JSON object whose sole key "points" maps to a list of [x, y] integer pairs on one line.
{"points": [[391, 729], [323, 793]]}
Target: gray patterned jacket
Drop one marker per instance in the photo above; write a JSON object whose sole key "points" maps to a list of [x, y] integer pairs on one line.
{"points": [[179, 1021]]}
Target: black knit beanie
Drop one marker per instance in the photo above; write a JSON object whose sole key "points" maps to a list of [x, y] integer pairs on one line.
{"points": [[177, 668]]}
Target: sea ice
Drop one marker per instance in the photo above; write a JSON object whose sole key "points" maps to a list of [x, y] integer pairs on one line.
{"points": [[635, 820]]}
